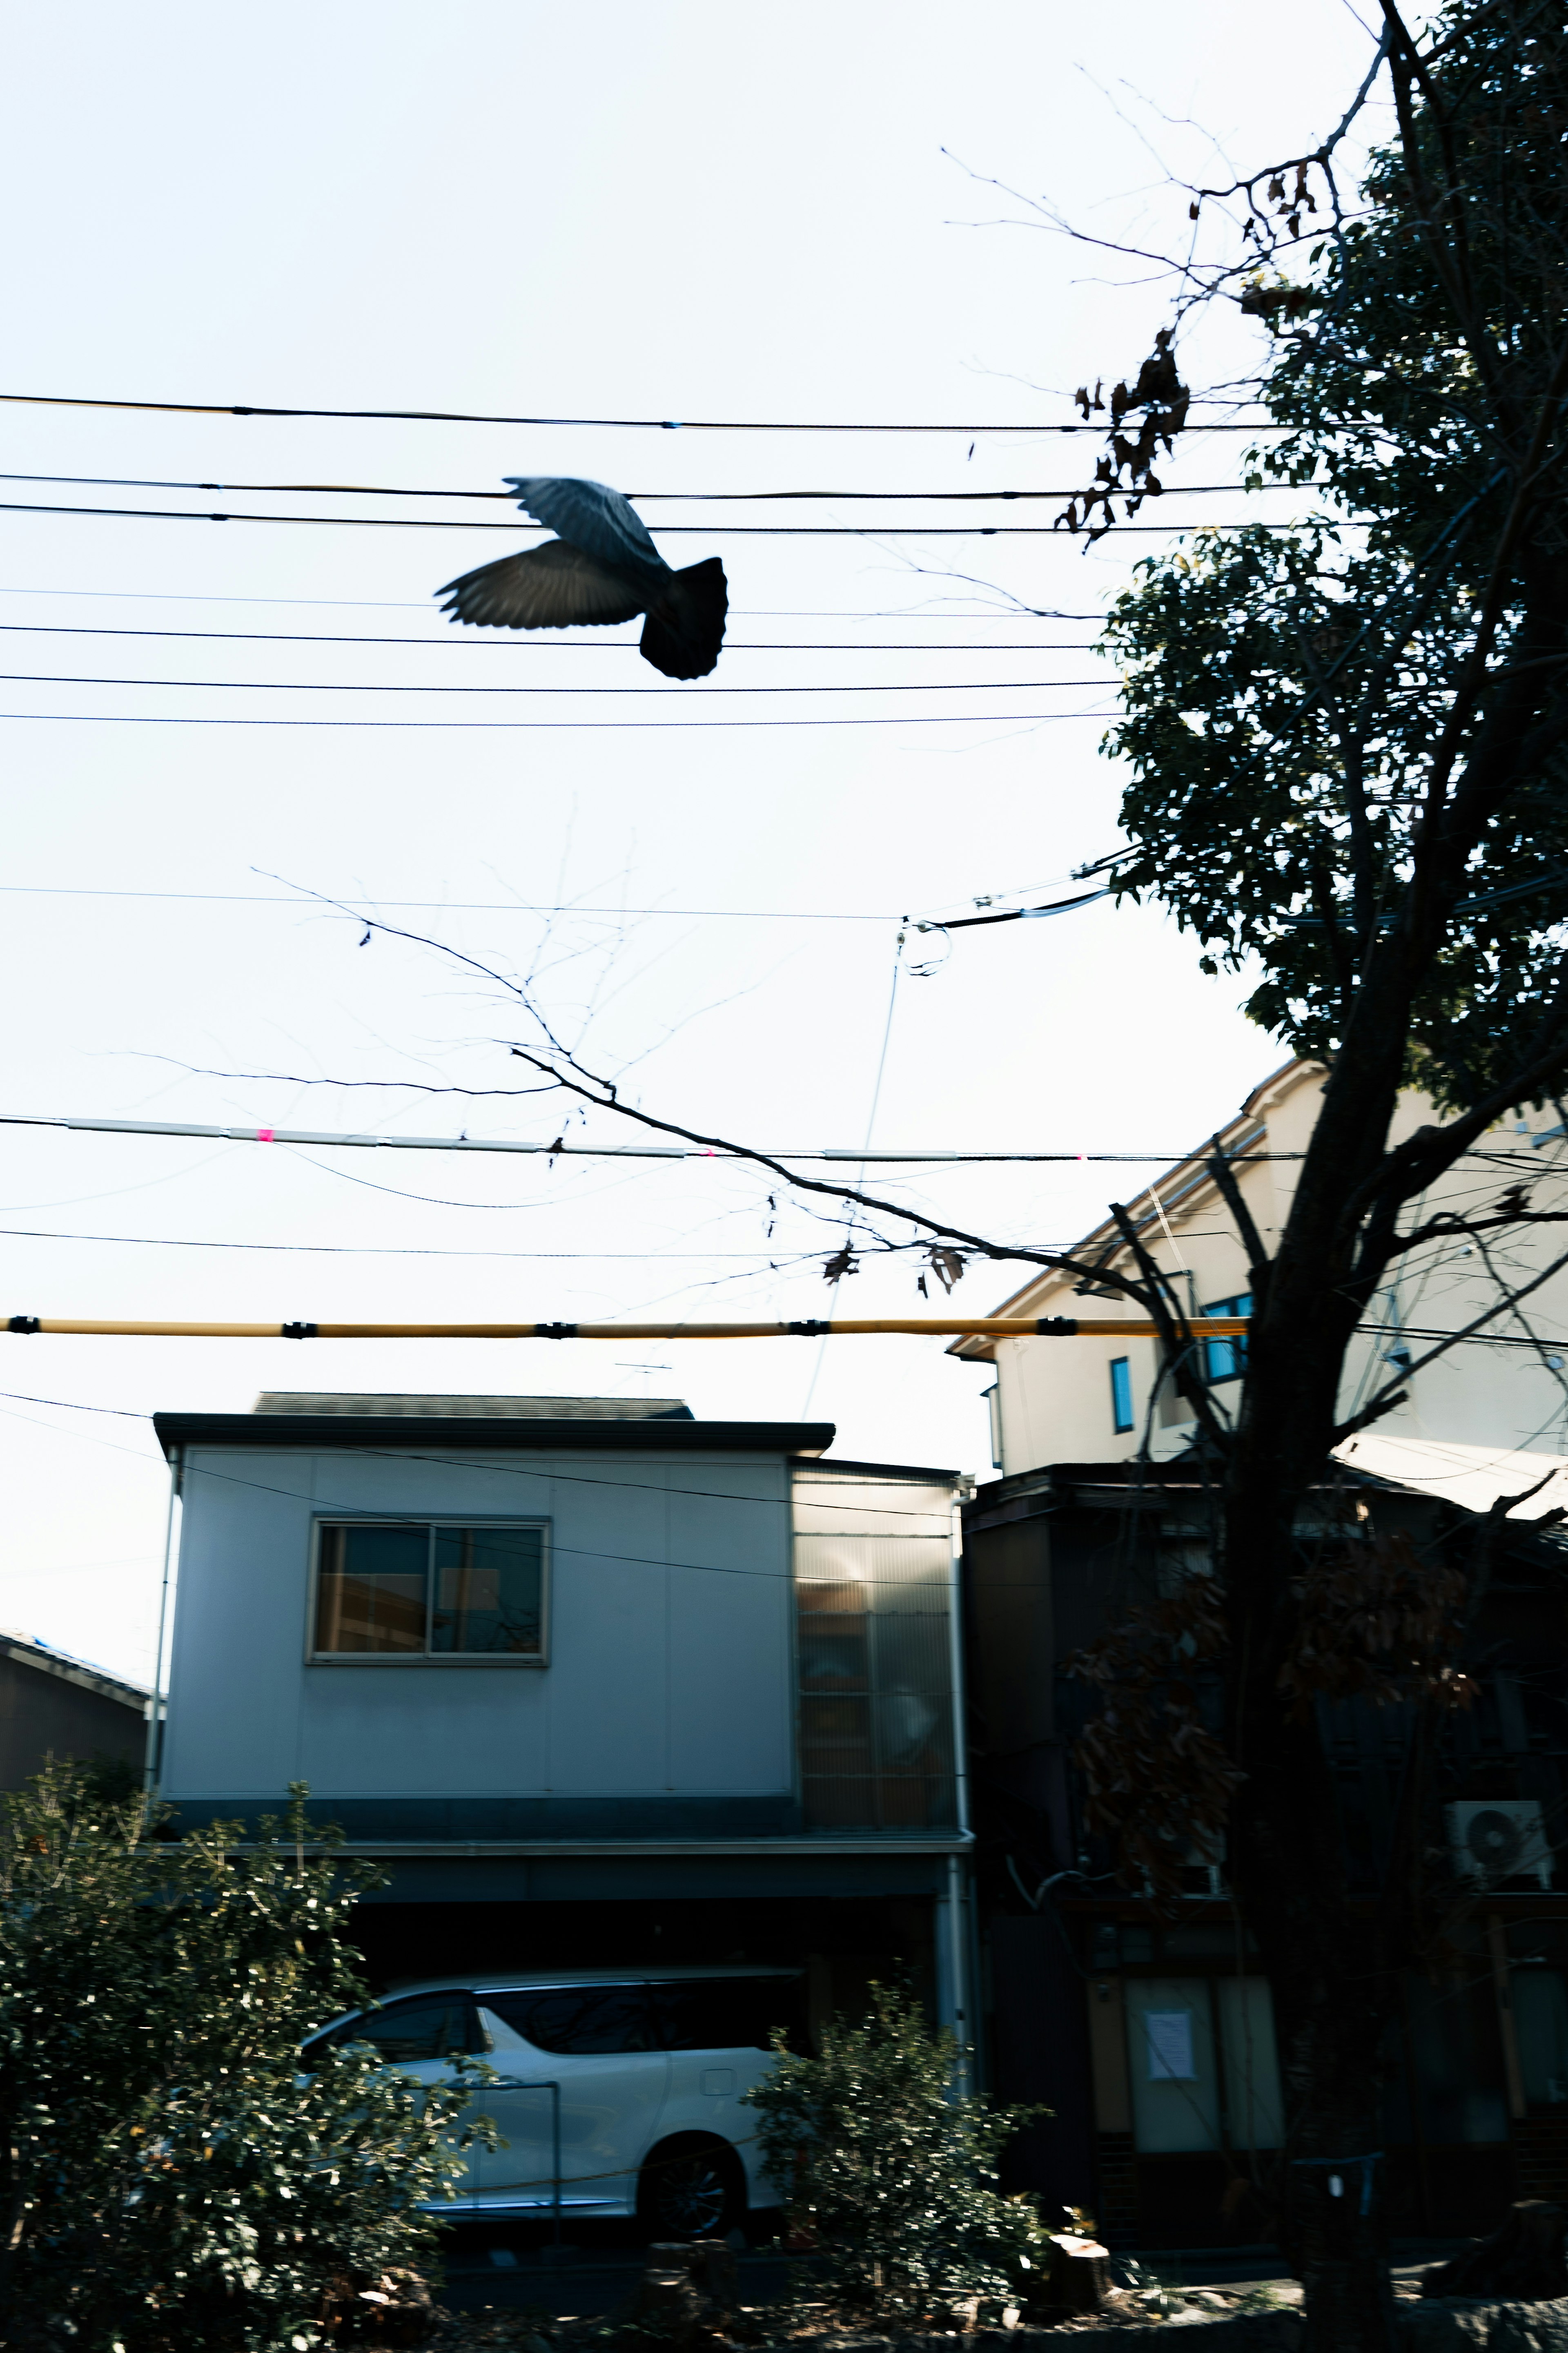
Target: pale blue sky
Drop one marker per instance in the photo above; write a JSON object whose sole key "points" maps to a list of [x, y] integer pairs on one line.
{"points": [[691, 211]]}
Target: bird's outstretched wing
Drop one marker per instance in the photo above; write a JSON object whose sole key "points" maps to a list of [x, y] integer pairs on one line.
{"points": [[595, 518], [550, 587]]}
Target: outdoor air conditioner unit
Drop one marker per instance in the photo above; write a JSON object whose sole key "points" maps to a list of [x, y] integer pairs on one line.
{"points": [[1209, 1858], [1494, 1839]]}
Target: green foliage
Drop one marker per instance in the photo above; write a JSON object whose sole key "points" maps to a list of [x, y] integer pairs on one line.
{"points": [[890, 2174], [167, 2177], [1308, 717]]}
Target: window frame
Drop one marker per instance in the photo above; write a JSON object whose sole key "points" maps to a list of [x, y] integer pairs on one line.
{"points": [[1122, 1364], [431, 1522]]}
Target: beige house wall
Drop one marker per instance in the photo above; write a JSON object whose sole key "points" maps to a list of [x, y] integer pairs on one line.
{"points": [[1054, 1396]]}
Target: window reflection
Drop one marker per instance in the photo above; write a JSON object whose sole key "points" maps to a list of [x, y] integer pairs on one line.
{"points": [[411, 1589], [873, 1566]]}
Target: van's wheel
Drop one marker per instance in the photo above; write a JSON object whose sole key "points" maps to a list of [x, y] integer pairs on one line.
{"points": [[692, 2188]]}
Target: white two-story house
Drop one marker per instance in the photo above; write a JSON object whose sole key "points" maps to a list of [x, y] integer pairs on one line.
{"points": [[597, 1683]]}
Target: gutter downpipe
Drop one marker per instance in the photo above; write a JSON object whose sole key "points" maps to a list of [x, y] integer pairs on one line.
{"points": [[957, 1907], [153, 1762]]}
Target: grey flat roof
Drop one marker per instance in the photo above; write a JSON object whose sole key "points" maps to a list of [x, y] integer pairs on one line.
{"points": [[400, 1406], [453, 1433]]}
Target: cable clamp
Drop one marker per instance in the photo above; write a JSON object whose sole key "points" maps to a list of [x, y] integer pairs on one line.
{"points": [[555, 1331], [299, 1331], [22, 1323], [1057, 1327], [809, 1331]]}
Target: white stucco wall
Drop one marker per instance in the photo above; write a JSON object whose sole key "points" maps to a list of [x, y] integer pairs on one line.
{"points": [[1054, 1396]]}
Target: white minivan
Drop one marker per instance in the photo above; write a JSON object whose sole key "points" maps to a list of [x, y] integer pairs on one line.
{"points": [[616, 2091]]}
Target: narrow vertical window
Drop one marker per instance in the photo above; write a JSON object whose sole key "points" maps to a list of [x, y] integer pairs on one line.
{"points": [[1121, 1393], [1226, 1360], [873, 1578]]}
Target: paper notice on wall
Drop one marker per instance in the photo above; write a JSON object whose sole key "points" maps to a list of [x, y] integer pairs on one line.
{"points": [[1169, 2034]]}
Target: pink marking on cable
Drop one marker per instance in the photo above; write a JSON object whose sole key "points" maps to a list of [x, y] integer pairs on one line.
{"points": [[265, 1136]]}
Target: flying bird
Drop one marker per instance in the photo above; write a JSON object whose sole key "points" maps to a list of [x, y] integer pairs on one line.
{"points": [[602, 567]]}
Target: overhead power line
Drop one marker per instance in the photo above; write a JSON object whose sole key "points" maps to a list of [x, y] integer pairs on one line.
{"points": [[525, 642], [420, 605], [450, 906], [642, 498], [990, 1327], [372, 686], [524, 907], [677, 719], [666, 531], [634, 424], [563, 1151], [1009, 915], [757, 1258]]}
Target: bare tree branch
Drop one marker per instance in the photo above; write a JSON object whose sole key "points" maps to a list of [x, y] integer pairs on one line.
{"points": [[1379, 1403], [591, 1088]]}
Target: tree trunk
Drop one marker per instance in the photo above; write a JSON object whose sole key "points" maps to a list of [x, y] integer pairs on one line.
{"points": [[1333, 1993], [1334, 1977]]}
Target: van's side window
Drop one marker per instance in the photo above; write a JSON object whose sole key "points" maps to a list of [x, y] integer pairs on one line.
{"points": [[726, 2013], [580, 2019], [427, 2026]]}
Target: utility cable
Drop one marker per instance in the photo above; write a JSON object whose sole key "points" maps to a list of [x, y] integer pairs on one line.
{"points": [[666, 531], [372, 686], [640, 498], [422, 605], [757, 1258], [561, 1151], [1011, 915], [636, 424], [527, 641], [449, 906], [224, 718]]}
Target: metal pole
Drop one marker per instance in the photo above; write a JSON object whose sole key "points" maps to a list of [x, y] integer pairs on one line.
{"points": [[957, 1866], [152, 1765], [956, 1328], [959, 1964], [956, 1669], [554, 2091]]}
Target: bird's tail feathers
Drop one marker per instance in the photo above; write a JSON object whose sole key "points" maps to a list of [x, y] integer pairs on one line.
{"points": [[683, 632]]}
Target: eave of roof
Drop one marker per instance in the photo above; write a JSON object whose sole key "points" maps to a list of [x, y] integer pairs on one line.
{"points": [[1183, 1177], [28, 1651], [916, 1471], [398, 1434]]}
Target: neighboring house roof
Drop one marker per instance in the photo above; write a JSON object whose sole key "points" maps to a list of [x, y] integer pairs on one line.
{"points": [[1183, 1177], [27, 1650], [1473, 1477], [475, 1408]]}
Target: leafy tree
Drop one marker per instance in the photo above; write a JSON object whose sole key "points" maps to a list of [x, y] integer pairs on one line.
{"points": [[1349, 769], [890, 2174], [167, 2176]]}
